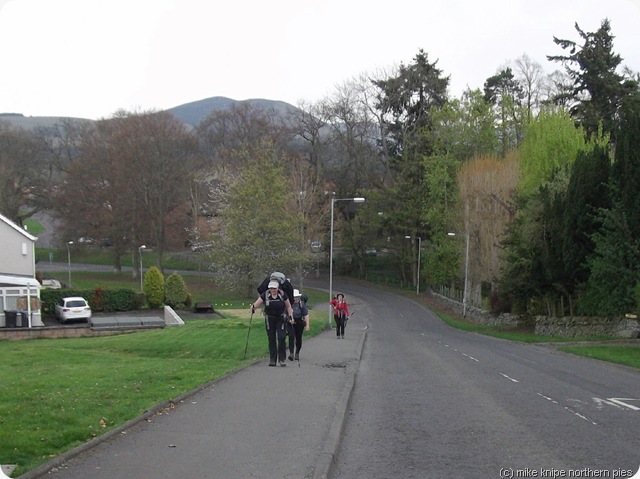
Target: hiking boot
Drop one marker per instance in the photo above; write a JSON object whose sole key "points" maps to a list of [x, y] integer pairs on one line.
{"points": [[283, 365], [272, 364]]}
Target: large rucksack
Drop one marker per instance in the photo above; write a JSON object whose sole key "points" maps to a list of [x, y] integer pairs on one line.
{"points": [[285, 284]]}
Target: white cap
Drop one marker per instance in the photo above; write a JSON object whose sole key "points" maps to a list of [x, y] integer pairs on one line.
{"points": [[274, 284], [296, 293]]}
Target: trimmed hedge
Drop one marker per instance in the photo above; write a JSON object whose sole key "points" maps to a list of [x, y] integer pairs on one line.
{"points": [[103, 300]]}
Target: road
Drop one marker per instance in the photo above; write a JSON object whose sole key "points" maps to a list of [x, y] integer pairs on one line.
{"points": [[431, 401]]}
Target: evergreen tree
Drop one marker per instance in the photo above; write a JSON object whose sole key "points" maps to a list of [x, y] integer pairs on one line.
{"points": [[597, 87], [154, 287], [615, 265]]}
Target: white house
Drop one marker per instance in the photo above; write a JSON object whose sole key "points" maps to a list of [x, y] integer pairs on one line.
{"points": [[19, 290]]}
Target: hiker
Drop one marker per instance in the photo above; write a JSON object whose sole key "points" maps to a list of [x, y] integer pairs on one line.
{"points": [[340, 313], [300, 323], [277, 311], [285, 284]]}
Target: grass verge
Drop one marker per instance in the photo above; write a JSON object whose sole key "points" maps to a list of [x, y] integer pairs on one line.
{"points": [[60, 393]]}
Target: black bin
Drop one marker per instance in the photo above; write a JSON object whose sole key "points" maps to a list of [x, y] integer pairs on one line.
{"points": [[24, 318], [10, 319]]}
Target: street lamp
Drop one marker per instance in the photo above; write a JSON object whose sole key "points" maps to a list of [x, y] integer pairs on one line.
{"points": [[69, 243], [466, 275], [418, 274], [333, 201], [140, 254]]}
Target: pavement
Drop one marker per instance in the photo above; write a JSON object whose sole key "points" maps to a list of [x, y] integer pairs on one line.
{"points": [[258, 422]]}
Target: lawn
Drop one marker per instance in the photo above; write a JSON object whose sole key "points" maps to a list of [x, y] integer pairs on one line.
{"points": [[59, 393]]}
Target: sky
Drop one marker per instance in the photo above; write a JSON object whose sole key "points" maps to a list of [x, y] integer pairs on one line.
{"points": [[91, 58]]}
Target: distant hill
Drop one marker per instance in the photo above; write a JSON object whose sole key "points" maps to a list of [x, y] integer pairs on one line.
{"points": [[190, 113], [194, 112], [34, 122]]}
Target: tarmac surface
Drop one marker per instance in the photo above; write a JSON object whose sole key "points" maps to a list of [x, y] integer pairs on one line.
{"points": [[258, 422]]}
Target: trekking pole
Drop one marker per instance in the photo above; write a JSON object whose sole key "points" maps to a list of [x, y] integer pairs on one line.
{"points": [[246, 344]]}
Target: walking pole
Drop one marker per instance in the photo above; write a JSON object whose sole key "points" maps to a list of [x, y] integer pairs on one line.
{"points": [[246, 344]]}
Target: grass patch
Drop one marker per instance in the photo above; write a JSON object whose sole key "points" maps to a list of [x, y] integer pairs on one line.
{"points": [[59, 393], [619, 354], [33, 227]]}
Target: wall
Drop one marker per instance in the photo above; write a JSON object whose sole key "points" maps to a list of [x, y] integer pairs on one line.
{"points": [[572, 327]]}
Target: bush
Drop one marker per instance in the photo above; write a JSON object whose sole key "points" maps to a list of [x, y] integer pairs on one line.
{"points": [[175, 291], [154, 288]]}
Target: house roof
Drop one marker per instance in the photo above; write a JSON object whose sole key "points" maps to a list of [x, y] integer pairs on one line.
{"points": [[19, 280], [17, 228]]}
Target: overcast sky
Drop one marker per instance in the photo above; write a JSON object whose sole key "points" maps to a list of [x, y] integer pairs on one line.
{"points": [[90, 58]]}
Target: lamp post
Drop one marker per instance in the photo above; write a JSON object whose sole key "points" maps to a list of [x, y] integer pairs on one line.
{"points": [[418, 272], [465, 294], [333, 201], [69, 243], [140, 254]]}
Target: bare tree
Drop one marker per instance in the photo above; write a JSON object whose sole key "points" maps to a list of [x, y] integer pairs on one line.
{"points": [[24, 173], [530, 75]]}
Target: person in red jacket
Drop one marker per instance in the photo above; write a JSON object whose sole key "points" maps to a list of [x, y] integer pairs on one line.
{"points": [[340, 313]]}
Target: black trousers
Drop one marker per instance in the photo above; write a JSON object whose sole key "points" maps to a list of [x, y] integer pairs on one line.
{"points": [[277, 335], [341, 322], [295, 335]]}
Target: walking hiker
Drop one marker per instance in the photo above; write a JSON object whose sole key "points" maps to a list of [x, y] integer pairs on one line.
{"points": [[300, 323], [277, 311], [340, 314]]}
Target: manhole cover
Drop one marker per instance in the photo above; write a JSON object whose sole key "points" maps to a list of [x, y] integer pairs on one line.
{"points": [[335, 365]]}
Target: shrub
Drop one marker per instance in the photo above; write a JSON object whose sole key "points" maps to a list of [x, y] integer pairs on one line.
{"points": [[154, 288], [175, 291]]}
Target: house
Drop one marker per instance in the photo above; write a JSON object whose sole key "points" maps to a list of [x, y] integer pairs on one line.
{"points": [[19, 290]]}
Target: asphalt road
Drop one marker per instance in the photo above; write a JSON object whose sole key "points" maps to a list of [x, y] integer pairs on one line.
{"points": [[434, 402]]}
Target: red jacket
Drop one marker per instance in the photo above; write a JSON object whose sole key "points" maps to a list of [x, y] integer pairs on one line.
{"points": [[340, 308]]}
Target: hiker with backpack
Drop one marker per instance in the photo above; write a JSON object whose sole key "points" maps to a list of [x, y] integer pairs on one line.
{"points": [[277, 312], [300, 324], [340, 313]]}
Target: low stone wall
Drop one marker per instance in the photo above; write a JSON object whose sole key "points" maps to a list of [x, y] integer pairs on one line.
{"points": [[571, 327]]}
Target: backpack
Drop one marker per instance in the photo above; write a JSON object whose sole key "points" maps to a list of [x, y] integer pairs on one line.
{"points": [[285, 285], [274, 307]]}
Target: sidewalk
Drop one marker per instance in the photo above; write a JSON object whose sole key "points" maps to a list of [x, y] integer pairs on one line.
{"points": [[262, 422]]}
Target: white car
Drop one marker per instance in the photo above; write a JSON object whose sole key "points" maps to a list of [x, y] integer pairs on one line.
{"points": [[72, 308]]}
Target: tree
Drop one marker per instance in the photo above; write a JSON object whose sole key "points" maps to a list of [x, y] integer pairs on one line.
{"points": [[615, 265], [154, 287], [24, 174], [529, 75], [176, 293], [597, 87], [133, 175], [551, 142], [506, 93], [406, 103], [487, 186], [587, 194], [259, 233]]}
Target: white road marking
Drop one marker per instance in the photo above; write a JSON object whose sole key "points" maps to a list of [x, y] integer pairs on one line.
{"points": [[471, 357], [548, 398], [510, 379], [621, 402]]}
